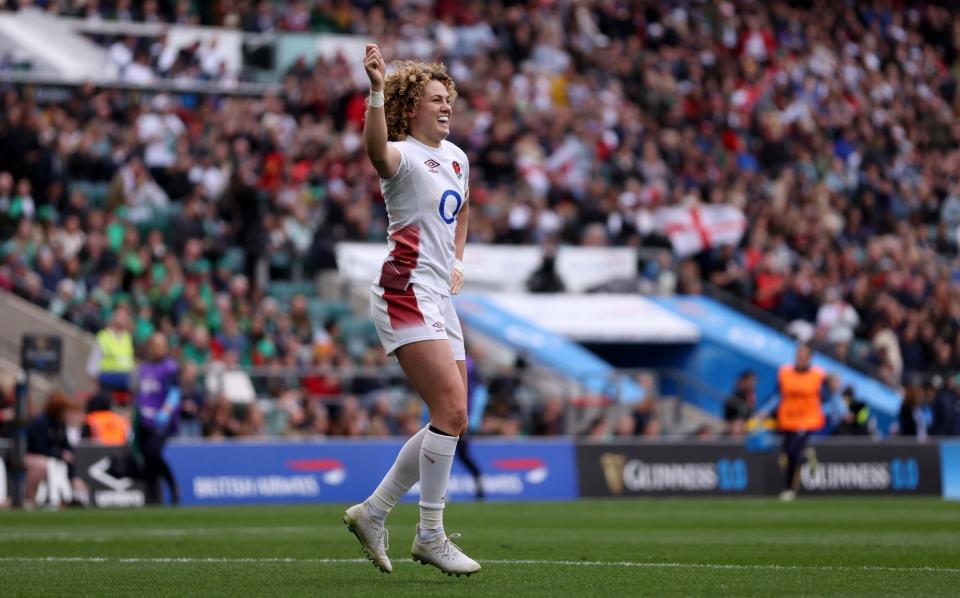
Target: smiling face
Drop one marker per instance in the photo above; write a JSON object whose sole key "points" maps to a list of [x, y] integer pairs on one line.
{"points": [[430, 123]]}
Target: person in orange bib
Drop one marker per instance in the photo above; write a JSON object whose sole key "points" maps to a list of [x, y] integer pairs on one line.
{"points": [[103, 425], [799, 414]]}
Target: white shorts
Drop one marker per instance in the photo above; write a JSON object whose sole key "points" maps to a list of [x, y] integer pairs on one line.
{"points": [[418, 313]]}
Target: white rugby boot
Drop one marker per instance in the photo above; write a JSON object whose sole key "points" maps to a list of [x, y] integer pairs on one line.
{"points": [[788, 496], [372, 534], [443, 554]]}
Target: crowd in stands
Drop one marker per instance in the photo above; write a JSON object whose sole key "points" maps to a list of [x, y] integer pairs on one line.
{"points": [[831, 125], [252, 16], [147, 60]]}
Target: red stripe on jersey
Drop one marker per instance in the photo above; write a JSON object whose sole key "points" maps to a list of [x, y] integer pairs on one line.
{"points": [[402, 308], [395, 273]]}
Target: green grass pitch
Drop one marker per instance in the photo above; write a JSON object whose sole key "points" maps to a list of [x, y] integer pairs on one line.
{"points": [[689, 547]]}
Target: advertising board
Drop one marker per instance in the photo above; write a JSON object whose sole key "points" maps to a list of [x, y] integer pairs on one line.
{"points": [[657, 469], [347, 471], [950, 468], [627, 469]]}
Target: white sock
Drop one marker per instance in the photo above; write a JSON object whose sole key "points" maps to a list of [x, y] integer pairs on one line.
{"points": [[436, 460], [401, 477]]}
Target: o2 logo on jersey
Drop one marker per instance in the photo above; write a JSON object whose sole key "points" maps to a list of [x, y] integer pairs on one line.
{"points": [[450, 194]]}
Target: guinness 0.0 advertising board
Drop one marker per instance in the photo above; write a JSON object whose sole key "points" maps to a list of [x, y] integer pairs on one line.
{"points": [[878, 468], [727, 469], [622, 469]]}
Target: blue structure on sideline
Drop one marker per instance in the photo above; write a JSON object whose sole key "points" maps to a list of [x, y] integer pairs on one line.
{"points": [[950, 468], [732, 342], [546, 348]]}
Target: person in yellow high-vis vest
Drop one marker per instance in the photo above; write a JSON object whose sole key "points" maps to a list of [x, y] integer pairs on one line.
{"points": [[112, 361]]}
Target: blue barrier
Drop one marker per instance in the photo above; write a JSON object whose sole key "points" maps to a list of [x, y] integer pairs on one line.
{"points": [[732, 342], [550, 350], [950, 468], [348, 471]]}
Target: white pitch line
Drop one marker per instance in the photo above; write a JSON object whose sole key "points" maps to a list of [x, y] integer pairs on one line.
{"points": [[556, 563], [722, 566], [174, 560], [86, 534]]}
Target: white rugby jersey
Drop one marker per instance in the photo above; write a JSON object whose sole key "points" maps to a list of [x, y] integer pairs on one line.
{"points": [[423, 199]]}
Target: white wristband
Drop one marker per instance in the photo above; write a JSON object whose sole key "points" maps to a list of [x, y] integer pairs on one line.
{"points": [[458, 266], [375, 99]]}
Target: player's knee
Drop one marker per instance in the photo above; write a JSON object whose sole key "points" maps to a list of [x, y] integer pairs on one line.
{"points": [[452, 420], [459, 420]]}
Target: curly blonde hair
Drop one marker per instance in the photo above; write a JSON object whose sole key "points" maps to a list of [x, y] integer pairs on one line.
{"points": [[403, 90]]}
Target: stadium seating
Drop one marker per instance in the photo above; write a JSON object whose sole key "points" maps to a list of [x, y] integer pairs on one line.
{"points": [[578, 134]]}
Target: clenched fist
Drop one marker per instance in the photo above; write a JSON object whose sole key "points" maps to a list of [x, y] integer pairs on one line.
{"points": [[375, 66]]}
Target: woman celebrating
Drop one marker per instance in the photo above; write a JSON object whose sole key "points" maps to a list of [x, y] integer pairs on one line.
{"points": [[425, 182]]}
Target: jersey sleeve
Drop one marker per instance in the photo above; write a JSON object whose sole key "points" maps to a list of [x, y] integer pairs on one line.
{"points": [[173, 371], [405, 164], [466, 175]]}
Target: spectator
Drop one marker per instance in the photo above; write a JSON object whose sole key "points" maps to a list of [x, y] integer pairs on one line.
{"points": [[138, 71], [262, 20], [836, 319], [545, 278], [225, 378], [945, 407], [915, 414], [835, 407], [7, 404], [598, 429], [646, 422], [768, 284], [843, 164], [626, 426], [159, 130], [112, 362], [220, 421], [48, 438], [549, 420], [102, 425], [856, 418], [193, 401], [197, 349], [70, 239], [143, 197], [740, 406], [121, 52]]}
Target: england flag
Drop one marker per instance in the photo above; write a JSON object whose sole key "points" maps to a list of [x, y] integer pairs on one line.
{"points": [[696, 228]]}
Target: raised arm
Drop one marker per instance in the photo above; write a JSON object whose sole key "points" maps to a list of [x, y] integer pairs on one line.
{"points": [[385, 159]]}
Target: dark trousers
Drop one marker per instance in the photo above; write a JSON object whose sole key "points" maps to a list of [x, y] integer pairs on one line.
{"points": [[794, 444], [463, 453], [155, 468]]}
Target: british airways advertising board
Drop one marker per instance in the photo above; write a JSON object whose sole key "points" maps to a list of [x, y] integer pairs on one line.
{"points": [[517, 470], [348, 471]]}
